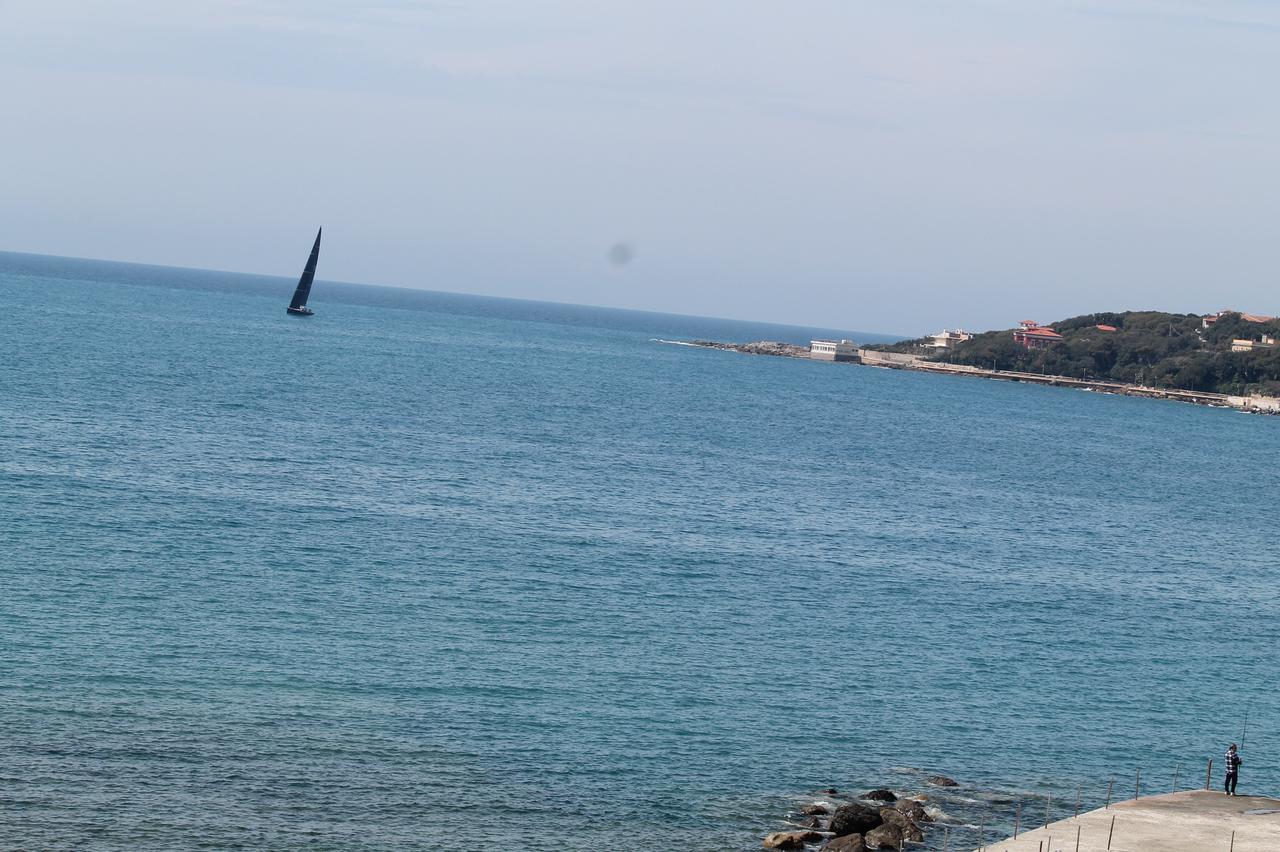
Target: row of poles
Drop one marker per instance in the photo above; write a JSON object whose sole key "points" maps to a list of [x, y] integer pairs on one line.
{"points": [[1048, 805], [1047, 845]]}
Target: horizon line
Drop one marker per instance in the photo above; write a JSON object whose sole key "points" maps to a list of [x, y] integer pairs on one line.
{"points": [[899, 337]]}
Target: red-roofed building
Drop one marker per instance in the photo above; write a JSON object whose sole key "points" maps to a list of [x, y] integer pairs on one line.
{"points": [[1035, 336], [1209, 319], [1101, 327]]}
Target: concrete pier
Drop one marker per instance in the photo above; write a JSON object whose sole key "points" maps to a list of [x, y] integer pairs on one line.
{"points": [[1191, 821]]}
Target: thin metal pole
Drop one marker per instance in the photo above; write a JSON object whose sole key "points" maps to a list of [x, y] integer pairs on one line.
{"points": [[1077, 838], [1109, 785], [1112, 831], [1233, 835], [1017, 821], [1208, 776], [1137, 784], [1175, 779], [1048, 800], [1077, 813], [982, 832]]}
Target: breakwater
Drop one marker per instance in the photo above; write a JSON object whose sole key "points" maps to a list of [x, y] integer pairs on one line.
{"points": [[899, 361], [758, 347]]}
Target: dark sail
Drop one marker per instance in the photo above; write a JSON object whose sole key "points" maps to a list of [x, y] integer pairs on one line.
{"points": [[308, 275]]}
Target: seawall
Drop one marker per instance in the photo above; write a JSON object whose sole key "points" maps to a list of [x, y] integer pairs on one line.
{"points": [[899, 361], [908, 362]]}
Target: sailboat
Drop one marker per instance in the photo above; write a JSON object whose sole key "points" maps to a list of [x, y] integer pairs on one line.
{"points": [[298, 306]]}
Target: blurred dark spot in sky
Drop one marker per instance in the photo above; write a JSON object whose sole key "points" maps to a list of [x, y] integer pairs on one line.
{"points": [[620, 254]]}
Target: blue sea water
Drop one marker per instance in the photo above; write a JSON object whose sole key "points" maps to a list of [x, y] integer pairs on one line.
{"points": [[433, 571]]}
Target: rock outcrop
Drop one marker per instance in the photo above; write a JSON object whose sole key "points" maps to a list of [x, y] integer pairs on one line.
{"points": [[913, 809], [847, 843], [854, 818], [910, 831], [876, 820], [886, 836], [790, 839]]}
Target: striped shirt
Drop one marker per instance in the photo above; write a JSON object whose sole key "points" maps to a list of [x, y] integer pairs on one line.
{"points": [[1233, 762]]}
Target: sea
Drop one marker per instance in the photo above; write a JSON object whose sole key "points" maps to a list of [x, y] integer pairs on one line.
{"points": [[437, 571]]}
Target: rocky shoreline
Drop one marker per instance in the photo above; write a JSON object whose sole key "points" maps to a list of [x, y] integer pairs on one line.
{"points": [[758, 347], [879, 819]]}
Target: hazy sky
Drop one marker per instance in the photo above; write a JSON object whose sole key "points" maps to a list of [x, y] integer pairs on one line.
{"points": [[896, 166]]}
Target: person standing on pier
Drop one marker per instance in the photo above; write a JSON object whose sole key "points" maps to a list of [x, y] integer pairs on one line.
{"points": [[1233, 769]]}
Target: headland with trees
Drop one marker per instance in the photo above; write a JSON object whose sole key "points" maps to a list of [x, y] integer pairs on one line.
{"points": [[1149, 348]]}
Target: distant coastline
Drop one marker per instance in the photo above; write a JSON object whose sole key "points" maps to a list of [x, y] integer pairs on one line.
{"points": [[1227, 352], [895, 360]]}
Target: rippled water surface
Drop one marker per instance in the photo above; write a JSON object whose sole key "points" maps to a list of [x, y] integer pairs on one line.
{"points": [[433, 571]]}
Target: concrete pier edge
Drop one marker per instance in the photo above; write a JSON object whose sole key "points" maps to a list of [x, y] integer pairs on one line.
{"points": [[1187, 821]]}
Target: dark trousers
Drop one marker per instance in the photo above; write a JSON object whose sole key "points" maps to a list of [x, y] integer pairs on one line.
{"points": [[1230, 784]]}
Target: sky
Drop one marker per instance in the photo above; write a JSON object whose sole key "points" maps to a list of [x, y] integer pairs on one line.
{"points": [[888, 165]]}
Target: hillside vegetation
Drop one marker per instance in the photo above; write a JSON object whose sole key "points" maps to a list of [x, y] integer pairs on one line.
{"points": [[1148, 348]]}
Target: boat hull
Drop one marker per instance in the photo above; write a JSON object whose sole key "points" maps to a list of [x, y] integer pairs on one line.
{"points": [[300, 312]]}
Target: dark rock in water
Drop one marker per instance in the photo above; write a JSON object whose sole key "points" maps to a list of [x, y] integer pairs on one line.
{"points": [[942, 781], [881, 796], [910, 831], [831, 791], [885, 837], [790, 839], [854, 818], [813, 822], [913, 809], [815, 810], [847, 843]]}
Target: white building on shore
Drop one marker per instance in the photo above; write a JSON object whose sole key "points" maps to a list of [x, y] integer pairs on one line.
{"points": [[947, 339], [832, 350]]}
